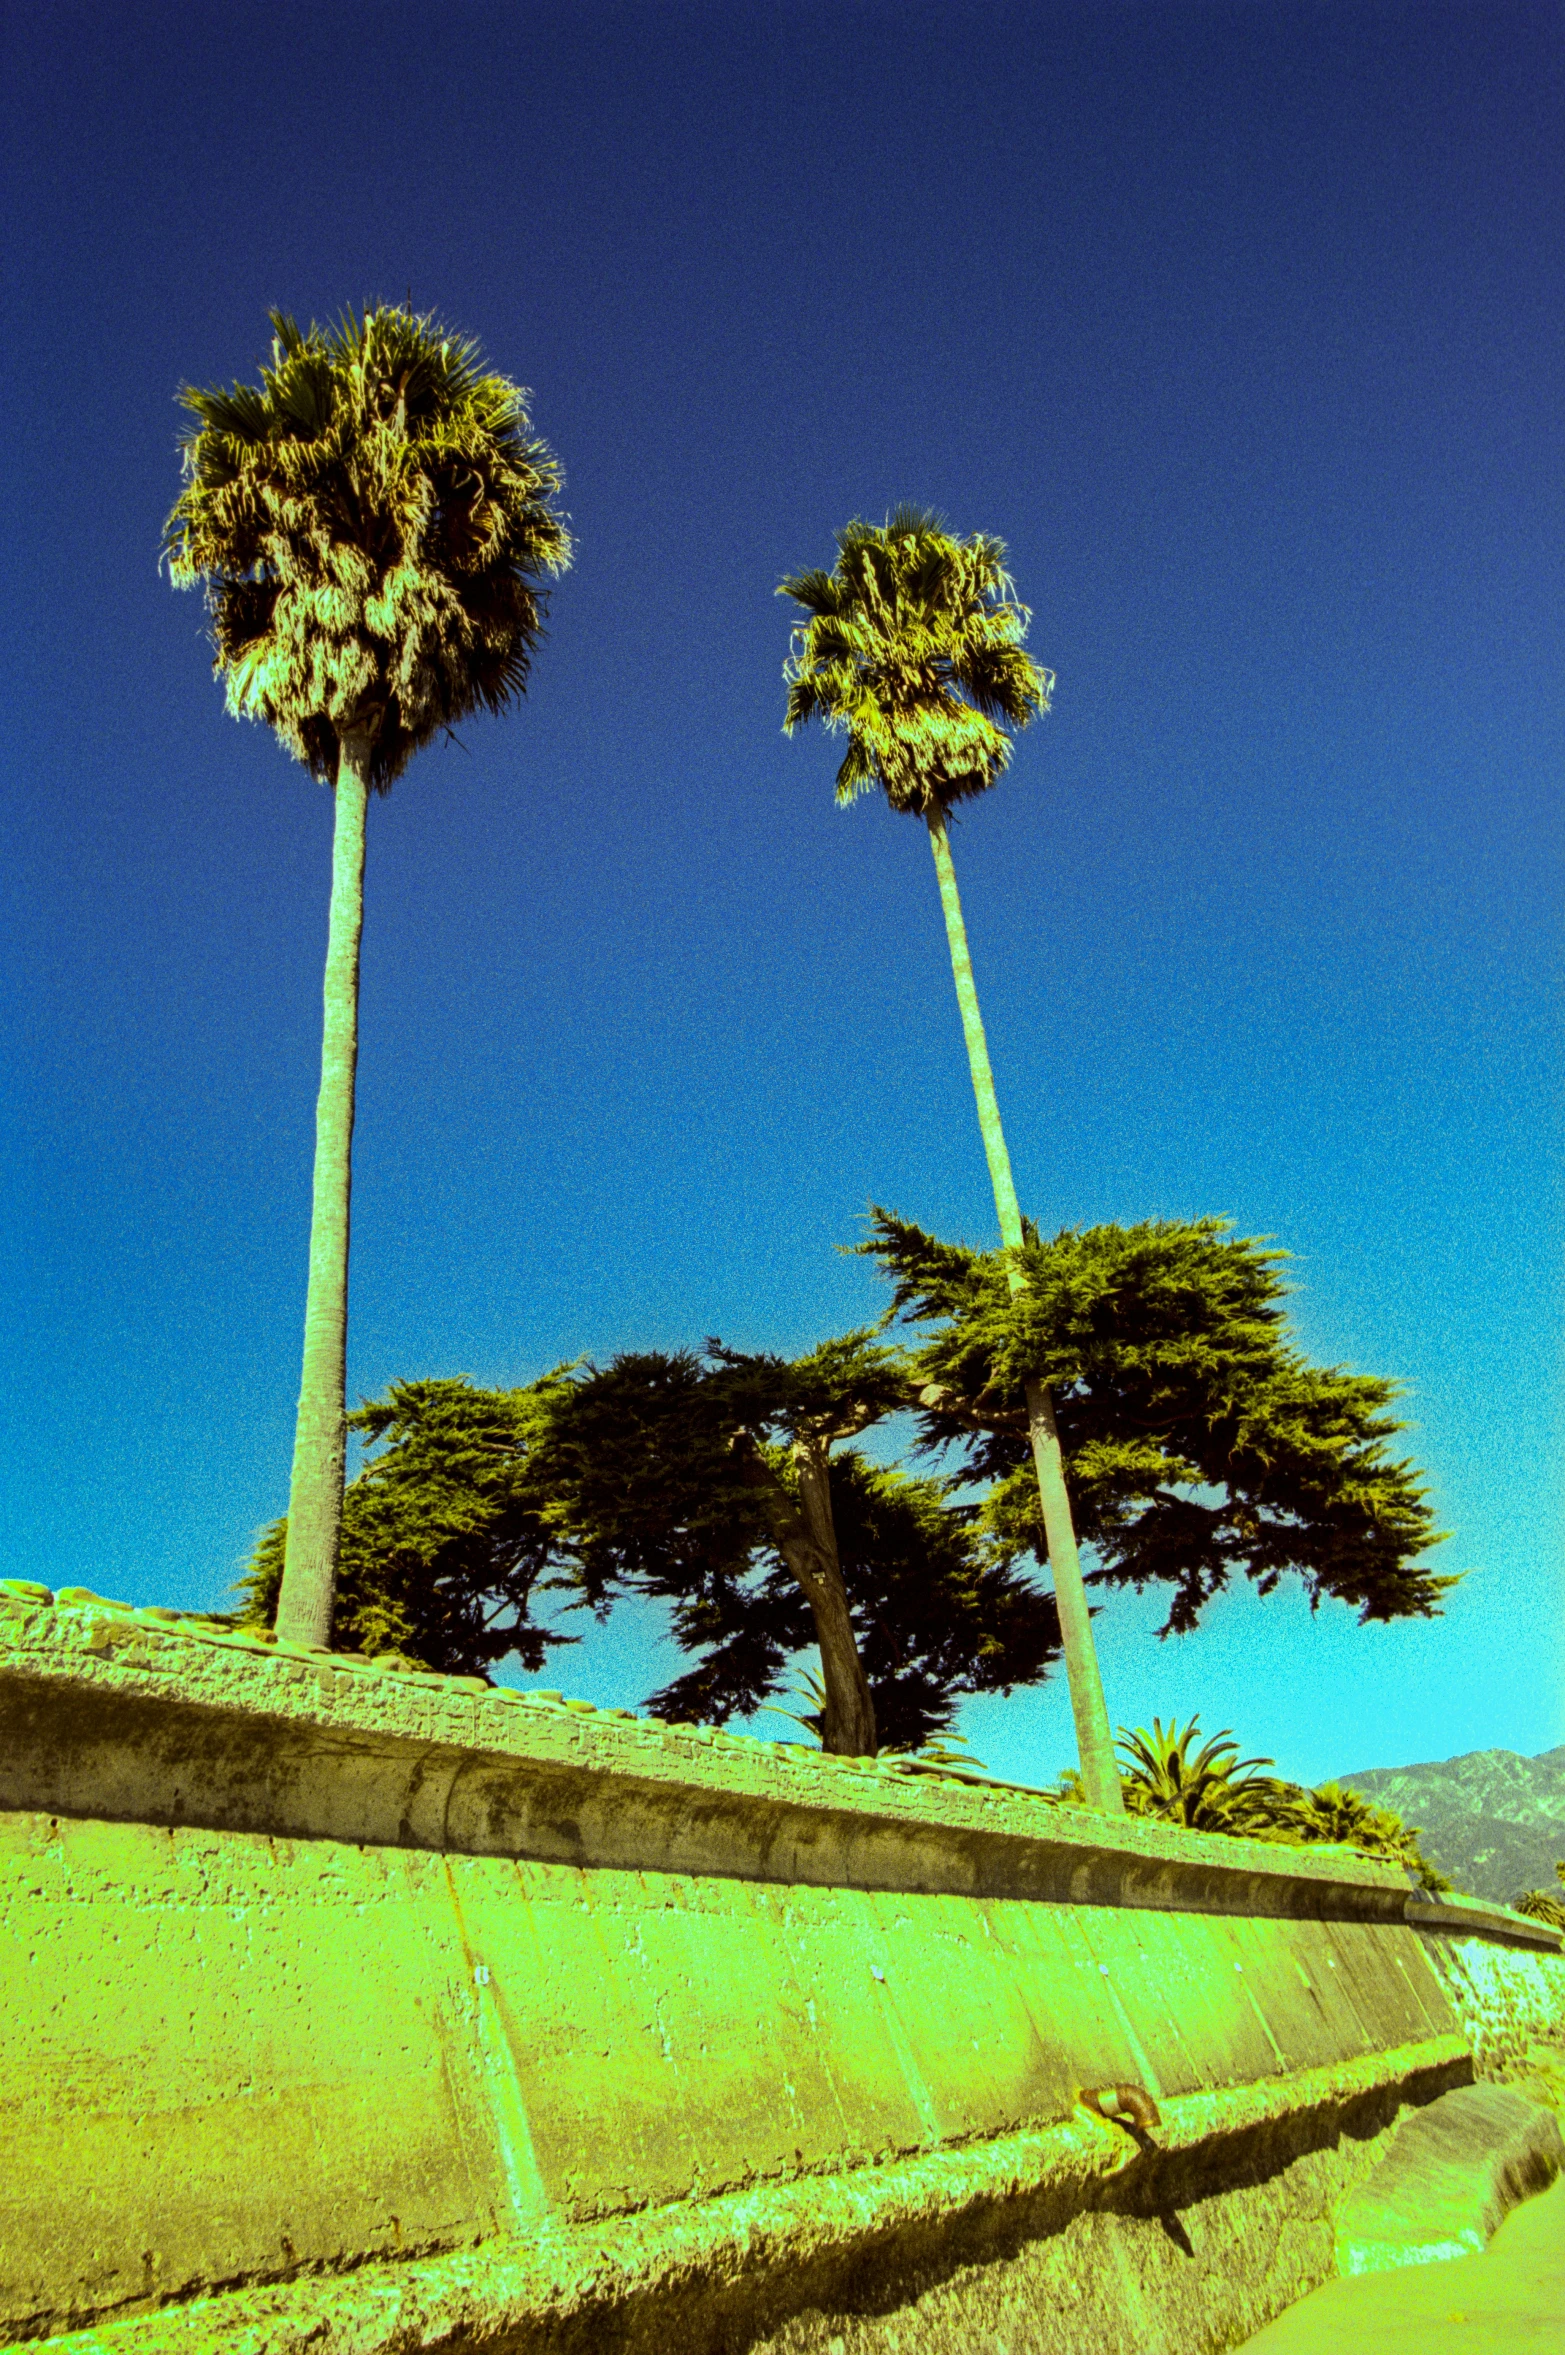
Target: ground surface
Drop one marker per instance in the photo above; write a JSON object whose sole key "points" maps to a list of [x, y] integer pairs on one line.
{"points": [[1509, 2301]]}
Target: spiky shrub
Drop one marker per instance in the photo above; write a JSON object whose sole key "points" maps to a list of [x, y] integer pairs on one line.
{"points": [[1210, 1789], [1333, 1815], [1213, 1789], [373, 527], [1541, 1905]]}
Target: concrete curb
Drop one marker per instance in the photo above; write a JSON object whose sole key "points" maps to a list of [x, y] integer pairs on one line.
{"points": [[1449, 2176]]}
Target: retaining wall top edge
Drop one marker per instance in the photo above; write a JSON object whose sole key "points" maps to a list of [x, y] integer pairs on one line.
{"points": [[116, 1692], [1455, 1916]]}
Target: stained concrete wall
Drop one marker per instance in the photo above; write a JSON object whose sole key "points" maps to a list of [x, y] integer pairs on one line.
{"points": [[1508, 1994], [400, 2012]]}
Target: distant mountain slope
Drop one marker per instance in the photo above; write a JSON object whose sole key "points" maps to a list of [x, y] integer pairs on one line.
{"points": [[1491, 1819]]}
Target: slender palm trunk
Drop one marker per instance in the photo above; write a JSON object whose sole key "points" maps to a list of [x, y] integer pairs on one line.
{"points": [[304, 1605], [1094, 1742]]}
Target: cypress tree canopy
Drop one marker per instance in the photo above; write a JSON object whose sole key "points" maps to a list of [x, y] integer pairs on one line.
{"points": [[1199, 1440], [598, 1482], [445, 1534], [653, 1493], [373, 525], [934, 1617]]}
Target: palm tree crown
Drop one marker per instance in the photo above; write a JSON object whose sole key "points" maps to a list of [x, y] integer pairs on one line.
{"points": [[372, 522], [913, 648]]}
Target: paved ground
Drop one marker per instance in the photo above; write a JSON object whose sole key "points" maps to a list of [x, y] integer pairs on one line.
{"points": [[1509, 2301]]}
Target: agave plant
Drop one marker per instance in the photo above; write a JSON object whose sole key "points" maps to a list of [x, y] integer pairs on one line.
{"points": [[948, 1751], [1540, 1905], [811, 1690], [1211, 1789]]}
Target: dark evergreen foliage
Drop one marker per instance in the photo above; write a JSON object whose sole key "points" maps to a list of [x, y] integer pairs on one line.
{"points": [[934, 1620], [1200, 1444], [445, 1541], [640, 1477], [1198, 1440], [654, 1468]]}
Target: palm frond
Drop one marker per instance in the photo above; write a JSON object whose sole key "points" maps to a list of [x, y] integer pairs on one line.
{"points": [[374, 525], [909, 522], [911, 647]]}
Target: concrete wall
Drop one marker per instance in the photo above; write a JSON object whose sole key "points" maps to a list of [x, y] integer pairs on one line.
{"points": [[1508, 1994], [363, 2011]]}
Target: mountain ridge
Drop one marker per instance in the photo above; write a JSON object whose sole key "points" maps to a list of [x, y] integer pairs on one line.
{"points": [[1493, 1819]]}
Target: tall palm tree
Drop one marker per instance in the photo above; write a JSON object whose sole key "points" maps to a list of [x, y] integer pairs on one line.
{"points": [[372, 524], [912, 648]]}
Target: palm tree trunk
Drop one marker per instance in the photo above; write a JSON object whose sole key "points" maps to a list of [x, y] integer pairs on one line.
{"points": [[304, 1603], [1094, 1741]]}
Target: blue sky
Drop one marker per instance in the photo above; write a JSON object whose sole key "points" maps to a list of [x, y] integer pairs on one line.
{"points": [[1241, 325]]}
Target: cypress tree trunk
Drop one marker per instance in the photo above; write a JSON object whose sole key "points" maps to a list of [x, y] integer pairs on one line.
{"points": [[849, 1727], [805, 1536], [304, 1604], [1094, 1741]]}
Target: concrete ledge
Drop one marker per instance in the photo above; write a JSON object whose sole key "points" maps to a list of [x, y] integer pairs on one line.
{"points": [[1450, 2174], [123, 1717], [1455, 1916], [880, 2250]]}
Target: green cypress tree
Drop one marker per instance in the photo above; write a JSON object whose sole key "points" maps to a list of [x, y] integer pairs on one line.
{"points": [[1201, 1443]]}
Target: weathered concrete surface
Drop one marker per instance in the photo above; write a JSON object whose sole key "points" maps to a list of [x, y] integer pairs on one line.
{"points": [[405, 2013], [1509, 2301], [1049, 2243], [1508, 1993], [1449, 2176]]}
